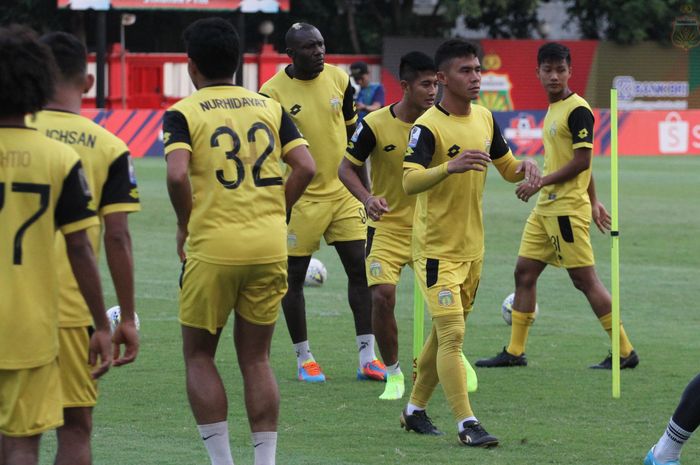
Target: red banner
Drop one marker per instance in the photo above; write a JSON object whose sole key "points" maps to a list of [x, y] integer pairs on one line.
{"points": [[247, 6]]}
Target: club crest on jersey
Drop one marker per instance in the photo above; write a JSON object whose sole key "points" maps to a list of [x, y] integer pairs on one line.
{"points": [[553, 129], [487, 145], [356, 134], [413, 138], [335, 104], [291, 240], [375, 269], [445, 298]]}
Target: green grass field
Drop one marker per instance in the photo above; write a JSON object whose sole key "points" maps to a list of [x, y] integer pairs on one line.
{"points": [[555, 411]]}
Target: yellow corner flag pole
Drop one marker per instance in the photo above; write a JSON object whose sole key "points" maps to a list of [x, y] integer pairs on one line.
{"points": [[615, 252]]}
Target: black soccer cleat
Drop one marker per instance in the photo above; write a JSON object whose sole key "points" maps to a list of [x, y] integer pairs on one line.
{"points": [[474, 435], [419, 422], [503, 359], [631, 361]]}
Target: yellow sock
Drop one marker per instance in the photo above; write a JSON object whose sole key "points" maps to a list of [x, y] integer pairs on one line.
{"points": [[427, 378], [518, 333], [450, 368], [625, 344]]}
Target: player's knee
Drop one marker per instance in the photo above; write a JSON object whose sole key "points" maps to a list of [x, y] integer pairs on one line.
{"points": [[383, 300], [77, 422], [524, 277], [450, 331]]}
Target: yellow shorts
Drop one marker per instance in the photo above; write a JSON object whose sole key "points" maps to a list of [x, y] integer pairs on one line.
{"points": [[209, 293], [30, 400], [338, 220], [79, 389], [387, 253], [563, 241], [448, 287]]}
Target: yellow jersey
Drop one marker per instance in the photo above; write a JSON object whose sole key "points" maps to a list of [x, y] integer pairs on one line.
{"points": [[383, 137], [448, 222], [567, 126], [42, 187], [321, 108], [112, 180], [237, 140]]}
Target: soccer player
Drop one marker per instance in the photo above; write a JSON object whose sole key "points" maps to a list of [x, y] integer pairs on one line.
{"points": [[111, 178], [449, 149], [557, 231], [42, 188], [683, 423], [224, 147], [318, 97], [382, 137]]}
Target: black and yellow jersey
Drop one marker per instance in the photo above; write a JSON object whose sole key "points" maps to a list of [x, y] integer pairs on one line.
{"points": [[321, 108], [42, 188], [237, 140], [383, 137], [112, 180], [567, 126], [448, 222]]}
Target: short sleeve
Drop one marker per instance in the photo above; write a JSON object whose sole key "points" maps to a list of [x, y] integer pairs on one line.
{"points": [[499, 146], [120, 191], [176, 132], [581, 126], [289, 134], [349, 112], [421, 147], [72, 205], [361, 144]]}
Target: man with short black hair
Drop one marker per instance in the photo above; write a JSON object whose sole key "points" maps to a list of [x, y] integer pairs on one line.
{"points": [[224, 147]]}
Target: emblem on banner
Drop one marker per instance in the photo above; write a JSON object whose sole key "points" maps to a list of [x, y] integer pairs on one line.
{"points": [[686, 34]]}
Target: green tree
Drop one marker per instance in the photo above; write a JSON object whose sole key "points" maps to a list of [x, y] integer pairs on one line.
{"points": [[629, 21], [505, 19]]}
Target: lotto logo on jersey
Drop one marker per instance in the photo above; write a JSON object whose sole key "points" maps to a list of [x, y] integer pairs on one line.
{"points": [[356, 134], [583, 133], [413, 138]]}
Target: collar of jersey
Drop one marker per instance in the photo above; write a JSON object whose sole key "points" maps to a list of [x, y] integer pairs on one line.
{"points": [[303, 81], [442, 110], [211, 86]]}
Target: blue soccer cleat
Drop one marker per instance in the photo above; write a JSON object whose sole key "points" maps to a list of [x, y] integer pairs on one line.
{"points": [[310, 372], [650, 460], [374, 370]]}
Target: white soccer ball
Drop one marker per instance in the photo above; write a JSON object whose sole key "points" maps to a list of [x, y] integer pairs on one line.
{"points": [[316, 273], [507, 309], [114, 315]]}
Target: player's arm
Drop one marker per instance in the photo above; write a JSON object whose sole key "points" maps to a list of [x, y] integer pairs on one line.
{"points": [[73, 217], [295, 153], [510, 168], [178, 150], [119, 198], [580, 124], [601, 217], [349, 111], [353, 171], [417, 177]]}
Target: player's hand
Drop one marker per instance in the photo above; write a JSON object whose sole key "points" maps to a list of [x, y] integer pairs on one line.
{"points": [[601, 216], [99, 350], [469, 160], [526, 190], [180, 238], [125, 335], [376, 207], [532, 173]]}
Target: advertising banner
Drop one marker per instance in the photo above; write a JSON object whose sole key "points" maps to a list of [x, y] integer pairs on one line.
{"points": [[639, 132]]}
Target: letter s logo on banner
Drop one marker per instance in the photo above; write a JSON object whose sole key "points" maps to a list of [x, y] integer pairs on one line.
{"points": [[673, 134]]}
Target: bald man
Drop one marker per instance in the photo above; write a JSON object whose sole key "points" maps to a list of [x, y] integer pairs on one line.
{"points": [[319, 99]]}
